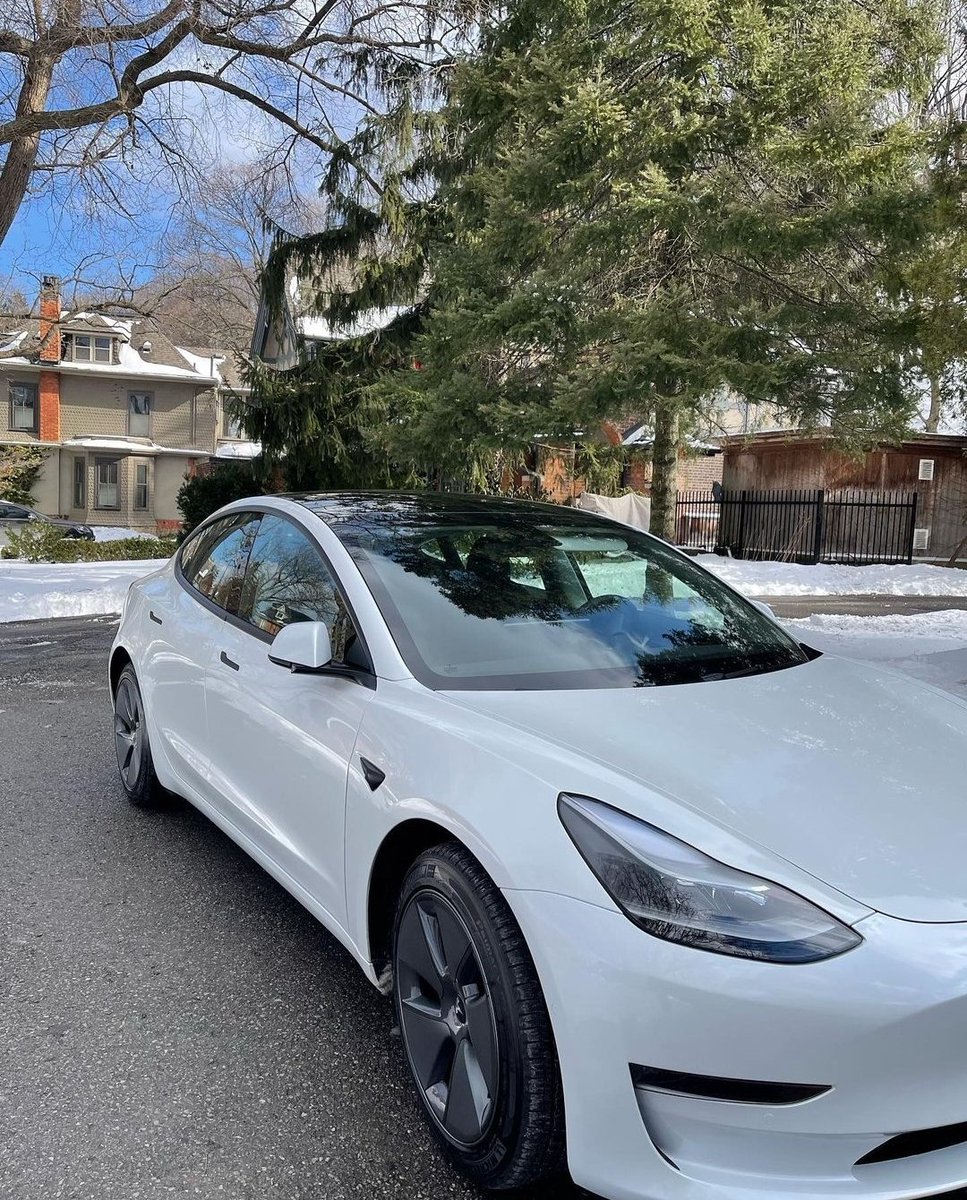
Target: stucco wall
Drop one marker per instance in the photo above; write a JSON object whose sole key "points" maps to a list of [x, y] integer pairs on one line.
{"points": [[46, 492], [169, 475]]}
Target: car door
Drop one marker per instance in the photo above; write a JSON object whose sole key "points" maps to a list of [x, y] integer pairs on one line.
{"points": [[183, 612], [281, 742]]}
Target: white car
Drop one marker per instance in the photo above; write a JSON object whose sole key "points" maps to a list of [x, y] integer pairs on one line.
{"points": [[653, 885]]}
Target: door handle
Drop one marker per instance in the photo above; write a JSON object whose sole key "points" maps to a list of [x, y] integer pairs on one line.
{"points": [[227, 661], [157, 620]]}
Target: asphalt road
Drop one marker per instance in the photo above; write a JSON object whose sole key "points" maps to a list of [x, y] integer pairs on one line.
{"points": [[172, 1023], [862, 606]]}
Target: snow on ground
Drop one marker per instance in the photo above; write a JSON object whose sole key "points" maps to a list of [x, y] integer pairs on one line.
{"points": [[930, 646], [34, 591], [835, 579], [113, 533]]}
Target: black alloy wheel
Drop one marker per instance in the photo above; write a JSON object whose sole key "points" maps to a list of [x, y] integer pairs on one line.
{"points": [[447, 1018], [135, 764], [474, 1023]]}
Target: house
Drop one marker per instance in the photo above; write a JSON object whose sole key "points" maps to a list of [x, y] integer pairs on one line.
{"points": [[296, 333], [931, 465], [122, 413]]}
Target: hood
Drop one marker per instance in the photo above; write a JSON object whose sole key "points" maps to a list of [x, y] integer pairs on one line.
{"points": [[854, 774]]}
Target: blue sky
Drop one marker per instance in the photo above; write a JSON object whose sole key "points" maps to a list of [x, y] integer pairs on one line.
{"points": [[65, 229]]}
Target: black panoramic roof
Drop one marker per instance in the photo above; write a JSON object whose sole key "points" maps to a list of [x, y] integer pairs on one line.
{"points": [[432, 508]]}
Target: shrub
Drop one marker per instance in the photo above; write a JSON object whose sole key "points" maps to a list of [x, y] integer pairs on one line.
{"points": [[201, 495], [40, 542]]}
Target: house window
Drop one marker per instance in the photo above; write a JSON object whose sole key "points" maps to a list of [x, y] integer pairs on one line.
{"points": [[139, 414], [231, 425], [80, 483], [108, 493], [84, 347], [141, 487], [23, 407]]}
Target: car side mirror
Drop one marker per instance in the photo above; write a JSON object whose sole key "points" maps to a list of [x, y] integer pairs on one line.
{"points": [[303, 646]]}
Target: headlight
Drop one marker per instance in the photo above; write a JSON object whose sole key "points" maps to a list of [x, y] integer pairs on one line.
{"points": [[677, 893]]}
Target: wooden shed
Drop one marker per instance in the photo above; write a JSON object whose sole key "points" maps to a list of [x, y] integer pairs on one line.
{"points": [[934, 466]]}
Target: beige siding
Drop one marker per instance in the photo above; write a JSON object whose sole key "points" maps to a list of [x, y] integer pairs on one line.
{"points": [[98, 407]]}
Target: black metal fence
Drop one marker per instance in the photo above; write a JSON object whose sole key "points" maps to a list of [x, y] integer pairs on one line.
{"points": [[806, 526]]}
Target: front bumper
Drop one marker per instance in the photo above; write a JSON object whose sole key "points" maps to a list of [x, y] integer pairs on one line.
{"points": [[884, 1026]]}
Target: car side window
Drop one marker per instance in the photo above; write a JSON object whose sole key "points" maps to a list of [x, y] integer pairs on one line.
{"points": [[287, 580], [11, 512], [216, 561]]}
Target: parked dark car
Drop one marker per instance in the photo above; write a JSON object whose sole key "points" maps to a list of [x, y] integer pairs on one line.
{"points": [[14, 517]]}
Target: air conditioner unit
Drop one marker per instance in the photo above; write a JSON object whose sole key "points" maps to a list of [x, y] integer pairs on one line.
{"points": [[921, 538], [926, 469]]}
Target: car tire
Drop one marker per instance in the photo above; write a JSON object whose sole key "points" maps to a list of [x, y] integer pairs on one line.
{"points": [[474, 1024], [135, 765]]}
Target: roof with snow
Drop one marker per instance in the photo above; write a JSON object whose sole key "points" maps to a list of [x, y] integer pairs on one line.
{"points": [[128, 445], [316, 329], [225, 364], [952, 441], [141, 349]]}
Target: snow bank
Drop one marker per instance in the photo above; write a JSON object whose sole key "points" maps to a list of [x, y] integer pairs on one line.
{"points": [[930, 646], [112, 533], [825, 579], [914, 631], [34, 591]]}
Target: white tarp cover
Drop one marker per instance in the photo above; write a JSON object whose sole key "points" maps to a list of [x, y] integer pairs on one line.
{"points": [[629, 510]]}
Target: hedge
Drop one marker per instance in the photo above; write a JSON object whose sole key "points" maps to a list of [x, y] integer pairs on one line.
{"points": [[41, 542]]}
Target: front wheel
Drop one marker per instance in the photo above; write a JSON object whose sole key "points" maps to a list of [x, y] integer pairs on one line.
{"points": [[474, 1024], [135, 764]]}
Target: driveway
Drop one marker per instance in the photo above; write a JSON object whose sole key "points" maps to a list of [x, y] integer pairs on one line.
{"points": [[172, 1023]]}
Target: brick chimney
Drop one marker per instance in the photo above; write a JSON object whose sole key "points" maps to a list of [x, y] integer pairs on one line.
{"points": [[50, 320], [49, 383]]}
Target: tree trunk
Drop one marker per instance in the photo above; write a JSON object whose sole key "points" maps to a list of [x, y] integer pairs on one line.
{"points": [[936, 404], [22, 152], [664, 469]]}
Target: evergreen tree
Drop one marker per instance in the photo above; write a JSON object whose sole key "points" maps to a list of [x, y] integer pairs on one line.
{"points": [[623, 207]]}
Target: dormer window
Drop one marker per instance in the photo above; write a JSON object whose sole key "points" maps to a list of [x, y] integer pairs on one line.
{"points": [[88, 347]]}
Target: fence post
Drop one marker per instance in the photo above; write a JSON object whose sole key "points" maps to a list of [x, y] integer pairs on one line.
{"points": [[820, 524], [913, 525], [740, 541]]}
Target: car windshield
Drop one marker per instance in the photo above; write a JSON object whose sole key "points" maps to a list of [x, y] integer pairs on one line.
{"points": [[529, 602]]}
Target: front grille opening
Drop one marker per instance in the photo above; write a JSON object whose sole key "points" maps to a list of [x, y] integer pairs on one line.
{"points": [[921, 1141]]}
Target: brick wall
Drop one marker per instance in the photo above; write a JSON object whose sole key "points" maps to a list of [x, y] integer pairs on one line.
{"points": [[698, 474], [695, 474]]}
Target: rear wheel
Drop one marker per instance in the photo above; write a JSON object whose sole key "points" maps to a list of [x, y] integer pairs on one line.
{"points": [[474, 1024], [135, 764]]}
